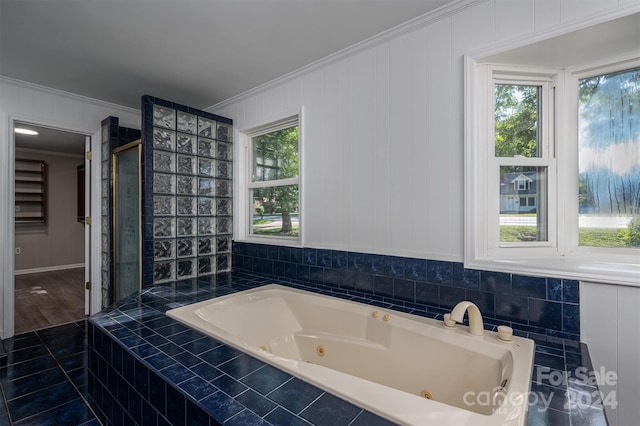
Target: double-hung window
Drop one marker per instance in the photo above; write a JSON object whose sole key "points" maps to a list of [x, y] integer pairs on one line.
{"points": [[273, 180], [521, 162]]}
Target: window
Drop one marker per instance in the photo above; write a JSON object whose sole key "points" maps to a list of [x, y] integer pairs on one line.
{"points": [[522, 157], [553, 170], [609, 159], [273, 181]]}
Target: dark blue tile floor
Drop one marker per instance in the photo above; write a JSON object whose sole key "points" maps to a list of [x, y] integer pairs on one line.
{"points": [[45, 380]]}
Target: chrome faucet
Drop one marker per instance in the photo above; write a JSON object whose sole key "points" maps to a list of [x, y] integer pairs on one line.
{"points": [[476, 327]]}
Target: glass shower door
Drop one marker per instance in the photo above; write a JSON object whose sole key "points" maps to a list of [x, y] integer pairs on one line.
{"points": [[127, 214]]}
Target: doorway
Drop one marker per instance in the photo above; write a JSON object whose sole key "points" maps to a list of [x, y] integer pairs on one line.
{"points": [[51, 238]]}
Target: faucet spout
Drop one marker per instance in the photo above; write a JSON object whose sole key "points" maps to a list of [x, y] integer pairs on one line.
{"points": [[476, 326]]}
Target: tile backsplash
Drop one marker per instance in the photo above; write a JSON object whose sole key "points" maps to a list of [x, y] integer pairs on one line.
{"points": [[544, 309]]}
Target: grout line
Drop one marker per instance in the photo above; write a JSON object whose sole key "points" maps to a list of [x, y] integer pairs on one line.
{"points": [[356, 417], [312, 402], [6, 405], [11, 421], [84, 330]]}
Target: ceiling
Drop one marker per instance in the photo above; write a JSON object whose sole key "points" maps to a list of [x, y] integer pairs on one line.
{"points": [[50, 140], [201, 52], [193, 52]]}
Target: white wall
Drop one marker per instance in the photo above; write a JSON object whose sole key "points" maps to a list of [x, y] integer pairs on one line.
{"points": [[46, 107], [383, 160], [610, 322], [383, 148]]}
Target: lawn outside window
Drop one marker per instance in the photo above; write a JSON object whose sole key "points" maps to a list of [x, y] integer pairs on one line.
{"points": [[273, 181]]}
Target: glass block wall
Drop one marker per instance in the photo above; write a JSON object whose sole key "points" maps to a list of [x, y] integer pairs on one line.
{"points": [[113, 136], [187, 192]]}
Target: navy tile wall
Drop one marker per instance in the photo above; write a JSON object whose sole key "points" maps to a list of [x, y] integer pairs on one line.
{"points": [[540, 308]]}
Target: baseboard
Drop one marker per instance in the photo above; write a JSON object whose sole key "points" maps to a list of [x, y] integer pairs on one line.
{"points": [[48, 269]]}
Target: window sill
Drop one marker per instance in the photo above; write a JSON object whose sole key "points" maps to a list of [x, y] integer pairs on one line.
{"points": [[627, 274], [273, 241]]}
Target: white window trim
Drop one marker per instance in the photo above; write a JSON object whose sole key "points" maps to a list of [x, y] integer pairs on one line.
{"points": [[242, 224], [543, 78], [564, 259]]}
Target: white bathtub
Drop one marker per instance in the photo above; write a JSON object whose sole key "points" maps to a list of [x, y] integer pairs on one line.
{"points": [[380, 363]]}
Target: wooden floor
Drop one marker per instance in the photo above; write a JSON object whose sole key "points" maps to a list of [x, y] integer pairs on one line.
{"points": [[48, 298]]}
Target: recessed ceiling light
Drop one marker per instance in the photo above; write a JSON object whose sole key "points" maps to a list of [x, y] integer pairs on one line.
{"points": [[25, 131]]}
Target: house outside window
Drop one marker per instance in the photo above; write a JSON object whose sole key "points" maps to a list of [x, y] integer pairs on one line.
{"points": [[520, 196], [521, 182]]}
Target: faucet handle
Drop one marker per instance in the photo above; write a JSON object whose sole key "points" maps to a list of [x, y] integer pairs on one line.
{"points": [[505, 333]]}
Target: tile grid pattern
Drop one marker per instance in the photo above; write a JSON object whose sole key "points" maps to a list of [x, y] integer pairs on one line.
{"points": [[45, 381], [187, 192], [147, 368], [540, 308]]}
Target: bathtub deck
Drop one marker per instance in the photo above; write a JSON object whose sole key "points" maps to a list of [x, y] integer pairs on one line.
{"points": [[147, 368]]}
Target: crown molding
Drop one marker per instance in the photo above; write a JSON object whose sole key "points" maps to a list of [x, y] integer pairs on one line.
{"points": [[408, 26], [68, 95]]}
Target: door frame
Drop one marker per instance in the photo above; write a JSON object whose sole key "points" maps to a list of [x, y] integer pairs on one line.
{"points": [[8, 221], [87, 228]]}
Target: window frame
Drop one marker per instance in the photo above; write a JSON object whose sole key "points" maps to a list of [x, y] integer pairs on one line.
{"points": [[545, 79], [246, 184], [563, 257]]}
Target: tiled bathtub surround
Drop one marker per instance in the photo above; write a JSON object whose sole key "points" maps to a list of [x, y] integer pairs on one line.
{"points": [[540, 308], [145, 368]]}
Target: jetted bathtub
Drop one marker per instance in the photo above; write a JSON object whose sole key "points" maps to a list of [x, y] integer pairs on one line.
{"points": [[408, 369]]}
